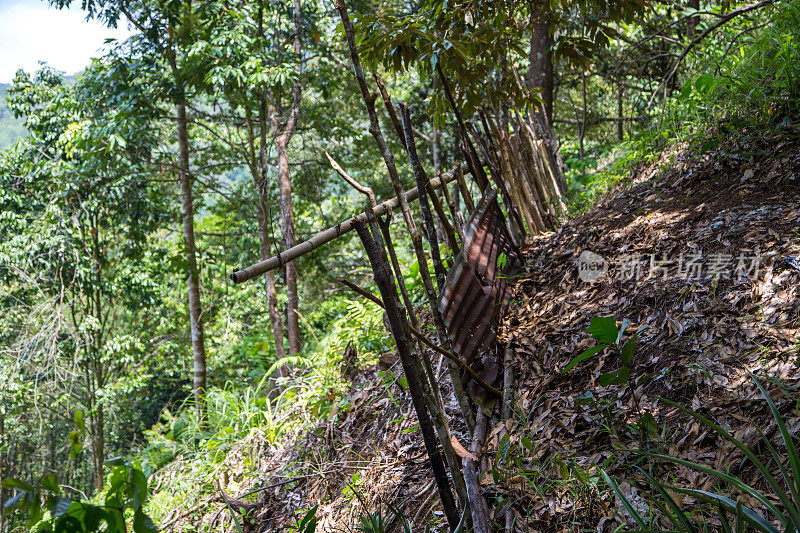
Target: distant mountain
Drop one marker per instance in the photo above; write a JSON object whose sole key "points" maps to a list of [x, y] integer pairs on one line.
{"points": [[11, 128]]}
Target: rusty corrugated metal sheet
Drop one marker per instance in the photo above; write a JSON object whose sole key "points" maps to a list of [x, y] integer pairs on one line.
{"points": [[477, 288]]}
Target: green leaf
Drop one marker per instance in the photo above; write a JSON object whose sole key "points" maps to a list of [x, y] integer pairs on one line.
{"points": [[34, 510], [143, 523], [11, 483], [586, 354], [68, 524], [137, 490], [79, 420], [92, 517], [648, 422], [704, 84], [615, 378], [309, 522], [526, 442], [75, 439], [627, 352], [49, 482], [603, 329]]}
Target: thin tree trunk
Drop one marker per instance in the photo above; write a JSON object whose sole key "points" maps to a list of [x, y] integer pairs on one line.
{"points": [[289, 240], [422, 181], [187, 204], [540, 75], [259, 169], [192, 278], [582, 132], [264, 239], [692, 22], [98, 447], [285, 187], [481, 521]]}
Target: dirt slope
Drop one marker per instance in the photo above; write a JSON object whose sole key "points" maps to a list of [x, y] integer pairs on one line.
{"points": [[704, 335]]}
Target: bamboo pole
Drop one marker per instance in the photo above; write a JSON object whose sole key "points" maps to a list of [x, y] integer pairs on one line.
{"points": [[416, 239], [383, 279], [422, 180], [330, 234]]}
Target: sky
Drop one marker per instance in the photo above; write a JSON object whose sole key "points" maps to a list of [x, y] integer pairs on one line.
{"points": [[31, 31]]}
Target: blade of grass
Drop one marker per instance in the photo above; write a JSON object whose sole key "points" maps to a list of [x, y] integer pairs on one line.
{"points": [[671, 502], [631, 511], [739, 484], [791, 450], [779, 492], [748, 514]]}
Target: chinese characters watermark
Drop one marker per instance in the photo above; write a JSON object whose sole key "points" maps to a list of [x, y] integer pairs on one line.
{"points": [[692, 266]]}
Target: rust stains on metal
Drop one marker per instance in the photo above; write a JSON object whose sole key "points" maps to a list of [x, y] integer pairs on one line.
{"points": [[477, 288]]}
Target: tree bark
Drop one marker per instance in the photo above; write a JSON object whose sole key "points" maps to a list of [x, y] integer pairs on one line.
{"points": [[264, 240], [285, 187], [540, 68], [192, 277], [422, 182], [187, 204], [692, 22], [98, 448], [258, 168], [481, 523]]}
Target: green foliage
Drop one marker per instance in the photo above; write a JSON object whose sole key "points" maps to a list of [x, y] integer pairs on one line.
{"points": [[11, 128], [308, 523], [604, 330], [124, 498], [610, 337]]}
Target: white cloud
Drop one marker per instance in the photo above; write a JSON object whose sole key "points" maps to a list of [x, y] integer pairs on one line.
{"points": [[30, 32]]}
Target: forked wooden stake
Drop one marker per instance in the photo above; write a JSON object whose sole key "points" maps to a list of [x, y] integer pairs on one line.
{"points": [[383, 279]]}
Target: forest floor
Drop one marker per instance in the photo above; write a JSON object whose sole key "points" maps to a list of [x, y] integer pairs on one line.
{"points": [[725, 210]]}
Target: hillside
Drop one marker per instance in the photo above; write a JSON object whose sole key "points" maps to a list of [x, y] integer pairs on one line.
{"points": [[704, 335]]}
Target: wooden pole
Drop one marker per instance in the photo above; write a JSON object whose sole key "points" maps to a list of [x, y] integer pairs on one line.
{"points": [[416, 239], [330, 234], [383, 279], [422, 180]]}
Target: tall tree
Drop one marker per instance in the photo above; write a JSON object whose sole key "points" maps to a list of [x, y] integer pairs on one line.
{"points": [[179, 31], [283, 135], [82, 190], [166, 31], [540, 66]]}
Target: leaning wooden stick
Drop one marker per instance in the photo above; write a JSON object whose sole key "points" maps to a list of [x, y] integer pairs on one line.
{"points": [[421, 178], [356, 185], [481, 523], [383, 280]]}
